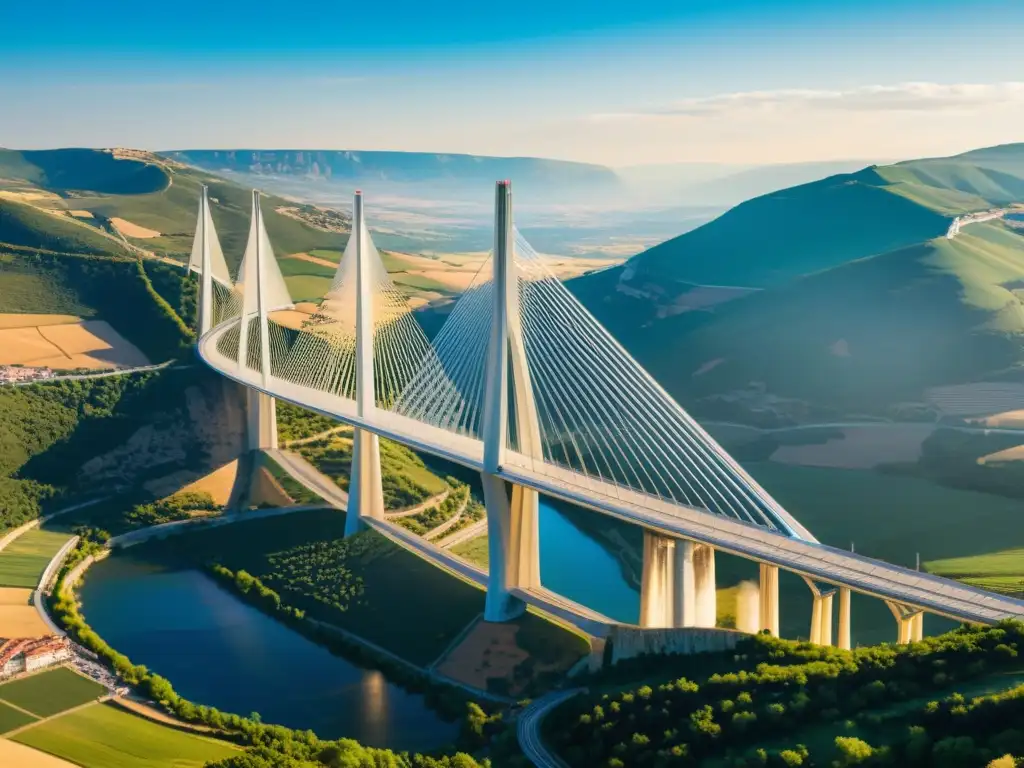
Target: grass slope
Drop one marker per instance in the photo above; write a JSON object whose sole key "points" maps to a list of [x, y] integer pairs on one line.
{"points": [[11, 718], [51, 692], [119, 291], [771, 239], [24, 225], [103, 736], [943, 311], [23, 561], [144, 190]]}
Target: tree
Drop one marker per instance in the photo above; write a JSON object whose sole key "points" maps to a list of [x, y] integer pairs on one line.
{"points": [[852, 751]]}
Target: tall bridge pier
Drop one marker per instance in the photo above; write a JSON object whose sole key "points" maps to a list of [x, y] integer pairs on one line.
{"points": [[365, 488], [512, 522]]}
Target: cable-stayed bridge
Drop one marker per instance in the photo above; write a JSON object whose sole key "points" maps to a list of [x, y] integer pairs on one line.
{"points": [[523, 385]]}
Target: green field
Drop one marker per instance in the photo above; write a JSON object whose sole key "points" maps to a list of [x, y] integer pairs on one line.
{"points": [[23, 561], [103, 736], [328, 254], [24, 225], [51, 692], [474, 550], [148, 193], [117, 290], [419, 282], [300, 267], [11, 718], [306, 287], [999, 571]]}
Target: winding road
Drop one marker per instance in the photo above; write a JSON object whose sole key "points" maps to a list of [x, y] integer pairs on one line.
{"points": [[529, 725]]}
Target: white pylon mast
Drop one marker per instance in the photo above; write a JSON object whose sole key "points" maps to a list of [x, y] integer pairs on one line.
{"points": [[206, 273], [261, 292], [365, 399], [365, 494], [495, 416]]}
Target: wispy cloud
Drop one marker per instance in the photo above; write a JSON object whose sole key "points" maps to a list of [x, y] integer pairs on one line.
{"points": [[903, 97]]}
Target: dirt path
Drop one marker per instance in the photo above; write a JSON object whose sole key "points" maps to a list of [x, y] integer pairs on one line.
{"points": [[433, 501], [467, 533], [152, 713], [42, 720], [314, 438], [313, 260], [439, 530]]}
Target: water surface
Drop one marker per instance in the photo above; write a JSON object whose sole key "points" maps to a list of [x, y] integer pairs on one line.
{"points": [[219, 651]]}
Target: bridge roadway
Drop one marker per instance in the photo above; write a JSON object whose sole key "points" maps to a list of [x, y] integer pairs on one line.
{"points": [[816, 561]]}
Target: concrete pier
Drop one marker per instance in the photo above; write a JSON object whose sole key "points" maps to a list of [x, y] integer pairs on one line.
{"points": [[843, 641], [261, 420], [677, 586], [365, 489], [821, 613], [909, 623], [769, 587]]}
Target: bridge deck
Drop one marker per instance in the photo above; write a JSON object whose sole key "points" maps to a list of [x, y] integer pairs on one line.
{"points": [[812, 559]]}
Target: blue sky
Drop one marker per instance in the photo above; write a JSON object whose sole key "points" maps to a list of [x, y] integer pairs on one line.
{"points": [[617, 83]]}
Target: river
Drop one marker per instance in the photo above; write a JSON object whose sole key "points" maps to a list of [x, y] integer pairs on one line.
{"points": [[218, 651]]}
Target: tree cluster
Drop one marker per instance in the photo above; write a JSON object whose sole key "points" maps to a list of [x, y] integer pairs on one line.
{"points": [[779, 688]]}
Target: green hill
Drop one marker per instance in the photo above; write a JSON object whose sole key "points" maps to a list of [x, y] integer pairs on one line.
{"points": [[861, 337], [27, 226], [774, 238], [864, 302], [83, 169], [969, 182], [149, 192]]}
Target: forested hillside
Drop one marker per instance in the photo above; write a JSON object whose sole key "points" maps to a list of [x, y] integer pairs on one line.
{"points": [[49, 431]]}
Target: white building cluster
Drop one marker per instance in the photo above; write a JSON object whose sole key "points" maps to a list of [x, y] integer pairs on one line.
{"points": [[27, 654]]}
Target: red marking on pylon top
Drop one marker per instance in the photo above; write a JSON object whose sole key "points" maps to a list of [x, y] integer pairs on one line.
{"points": [[359, 191]]}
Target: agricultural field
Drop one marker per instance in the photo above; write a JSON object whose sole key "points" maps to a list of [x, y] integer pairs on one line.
{"points": [[51, 692], [103, 736], [999, 571], [63, 342], [23, 561], [13, 753], [474, 550], [18, 617], [11, 718]]}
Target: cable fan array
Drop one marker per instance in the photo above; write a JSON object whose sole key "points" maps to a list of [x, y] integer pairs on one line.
{"points": [[448, 389], [323, 353], [599, 413], [320, 351], [603, 415]]}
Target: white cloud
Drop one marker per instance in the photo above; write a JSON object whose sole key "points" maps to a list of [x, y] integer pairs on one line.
{"points": [[903, 97]]}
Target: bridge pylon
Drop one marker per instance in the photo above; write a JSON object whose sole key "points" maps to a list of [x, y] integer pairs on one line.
{"points": [[512, 522], [365, 488]]}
